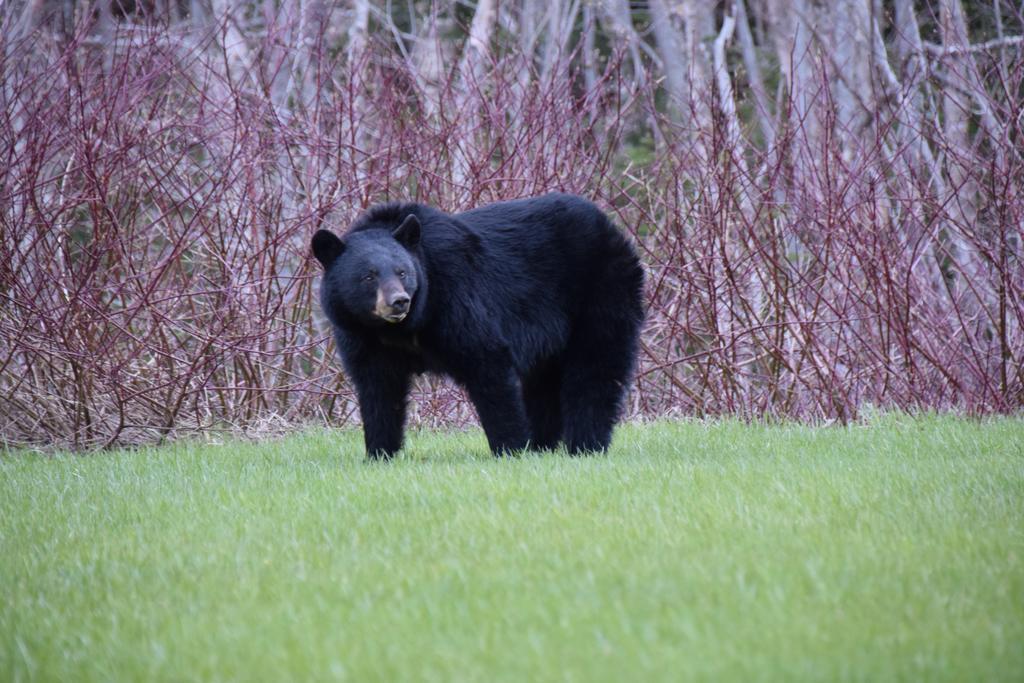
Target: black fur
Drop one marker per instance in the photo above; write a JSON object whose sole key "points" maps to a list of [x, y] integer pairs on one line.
{"points": [[533, 305]]}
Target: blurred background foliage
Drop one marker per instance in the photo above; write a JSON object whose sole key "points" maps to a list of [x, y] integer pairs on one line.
{"points": [[826, 196]]}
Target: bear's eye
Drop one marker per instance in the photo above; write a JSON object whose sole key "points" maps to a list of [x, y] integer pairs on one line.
{"points": [[368, 277], [401, 274]]}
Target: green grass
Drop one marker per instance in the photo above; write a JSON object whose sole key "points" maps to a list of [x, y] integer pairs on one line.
{"points": [[715, 551]]}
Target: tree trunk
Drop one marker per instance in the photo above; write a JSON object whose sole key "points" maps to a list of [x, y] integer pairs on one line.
{"points": [[851, 55]]}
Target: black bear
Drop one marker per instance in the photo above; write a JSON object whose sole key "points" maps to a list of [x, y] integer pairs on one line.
{"points": [[533, 305]]}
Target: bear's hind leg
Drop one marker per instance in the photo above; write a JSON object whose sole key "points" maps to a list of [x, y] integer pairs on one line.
{"points": [[598, 363], [499, 404], [543, 405]]}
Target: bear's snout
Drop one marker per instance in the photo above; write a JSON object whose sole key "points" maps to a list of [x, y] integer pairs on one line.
{"points": [[400, 303], [392, 302]]}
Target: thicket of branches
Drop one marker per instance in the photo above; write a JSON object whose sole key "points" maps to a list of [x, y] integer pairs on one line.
{"points": [[827, 199]]}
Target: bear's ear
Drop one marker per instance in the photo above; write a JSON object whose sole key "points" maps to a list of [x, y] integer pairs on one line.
{"points": [[326, 247], [408, 233]]}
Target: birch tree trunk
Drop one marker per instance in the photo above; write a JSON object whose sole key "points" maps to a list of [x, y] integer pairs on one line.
{"points": [[355, 51], [753, 66], [475, 54], [616, 17], [792, 35], [561, 22], [429, 56], [477, 47], [674, 59], [851, 57], [239, 59], [956, 110]]}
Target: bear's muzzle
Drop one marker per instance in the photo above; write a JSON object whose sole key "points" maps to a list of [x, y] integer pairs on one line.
{"points": [[392, 302]]}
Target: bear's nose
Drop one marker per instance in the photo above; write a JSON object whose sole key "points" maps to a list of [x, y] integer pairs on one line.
{"points": [[400, 303]]}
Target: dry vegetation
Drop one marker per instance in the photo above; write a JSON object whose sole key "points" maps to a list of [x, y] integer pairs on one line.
{"points": [[828, 201]]}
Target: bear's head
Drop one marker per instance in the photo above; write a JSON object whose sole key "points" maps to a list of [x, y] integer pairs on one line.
{"points": [[372, 276]]}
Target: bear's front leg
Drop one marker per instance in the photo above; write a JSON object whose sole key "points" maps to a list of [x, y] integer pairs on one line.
{"points": [[499, 405], [382, 392]]}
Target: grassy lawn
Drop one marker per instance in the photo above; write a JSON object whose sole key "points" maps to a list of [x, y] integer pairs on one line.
{"points": [[692, 551]]}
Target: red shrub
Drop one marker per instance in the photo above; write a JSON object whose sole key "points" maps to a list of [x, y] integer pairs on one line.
{"points": [[156, 201]]}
